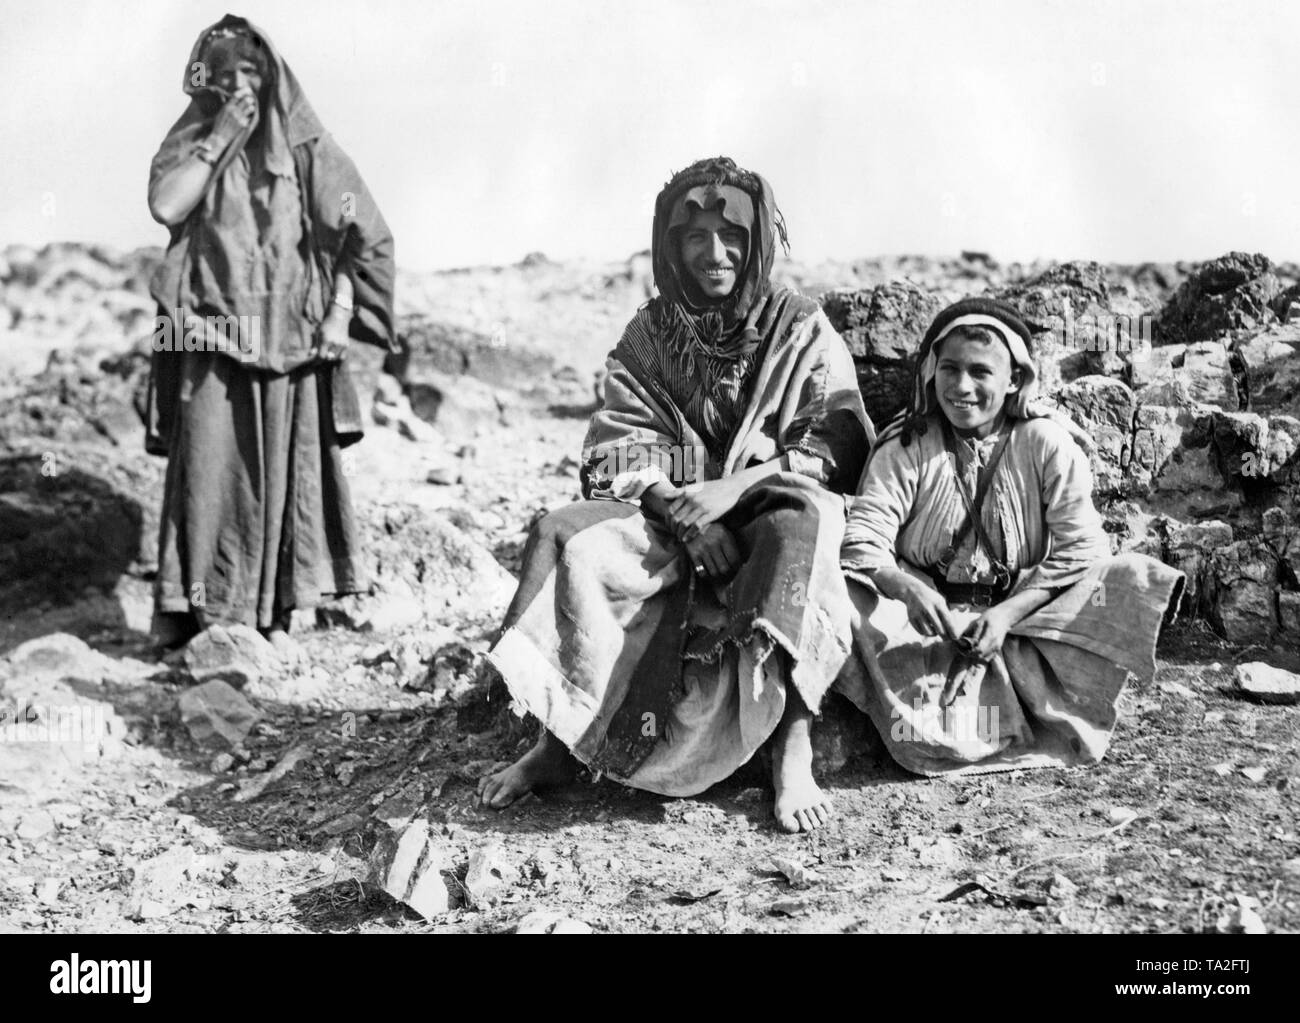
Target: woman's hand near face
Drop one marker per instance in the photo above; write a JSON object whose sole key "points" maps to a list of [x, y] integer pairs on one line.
{"points": [[238, 115]]}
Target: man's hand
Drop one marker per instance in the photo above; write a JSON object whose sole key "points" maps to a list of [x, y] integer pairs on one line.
{"points": [[700, 505], [713, 553], [238, 115], [332, 335]]}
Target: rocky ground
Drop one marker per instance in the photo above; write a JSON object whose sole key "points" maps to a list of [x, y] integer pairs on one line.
{"points": [[222, 790]]}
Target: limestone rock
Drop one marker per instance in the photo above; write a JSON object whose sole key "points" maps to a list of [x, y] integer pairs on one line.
{"points": [[419, 556], [158, 880], [1286, 307], [1153, 363], [883, 327], [58, 656], [235, 654], [840, 733], [1245, 578], [487, 871], [54, 732], [1233, 292], [1191, 486], [408, 866], [1201, 374], [496, 358], [1132, 528], [1105, 408], [1067, 306], [1158, 432], [401, 417], [1190, 549], [393, 609], [35, 826], [1272, 369], [1290, 556], [72, 518], [1288, 615], [217, 715], [455, 405], [1268, 684], [49, 727], [545, 921], [1255, 449]]}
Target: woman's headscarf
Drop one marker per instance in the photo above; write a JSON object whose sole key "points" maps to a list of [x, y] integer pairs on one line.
{"points": [[993, 316], [286, 116], [726, 328], [295, 142]]}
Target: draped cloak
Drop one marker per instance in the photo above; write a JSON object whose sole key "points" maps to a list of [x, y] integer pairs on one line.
{"points": [[256, 515], [659, 678]]}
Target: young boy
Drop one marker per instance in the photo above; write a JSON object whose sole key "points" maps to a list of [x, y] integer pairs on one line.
{"points": [[994, 629]]}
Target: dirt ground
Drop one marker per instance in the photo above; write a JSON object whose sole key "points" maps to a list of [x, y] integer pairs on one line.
{"points": [[1191, 815]]}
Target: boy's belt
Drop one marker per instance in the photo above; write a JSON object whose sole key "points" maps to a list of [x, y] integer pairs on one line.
{"points": [[976, 594]]}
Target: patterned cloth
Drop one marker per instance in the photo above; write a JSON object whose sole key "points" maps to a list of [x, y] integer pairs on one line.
{"points": [[800, 399], [661, 681]]}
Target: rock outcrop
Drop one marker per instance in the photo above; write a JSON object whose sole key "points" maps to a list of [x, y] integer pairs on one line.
{"points": [[1186, 379]]}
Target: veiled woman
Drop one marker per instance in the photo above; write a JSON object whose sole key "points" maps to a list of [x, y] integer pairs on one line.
{"points": [[278, 255], [692, 607]]}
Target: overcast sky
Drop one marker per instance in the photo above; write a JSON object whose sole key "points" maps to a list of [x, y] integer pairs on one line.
{"points": [[1119, 131]]}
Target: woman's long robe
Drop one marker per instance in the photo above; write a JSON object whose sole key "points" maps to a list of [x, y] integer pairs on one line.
{"points": [[1049, 698], [662, 680], [257, 517]]}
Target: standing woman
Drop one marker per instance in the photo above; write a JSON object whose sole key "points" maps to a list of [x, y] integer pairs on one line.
{"points": [[692, 607], [278, 255]]}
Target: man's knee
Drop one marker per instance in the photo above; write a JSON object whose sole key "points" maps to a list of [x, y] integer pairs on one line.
{"points": [[560, 526]]}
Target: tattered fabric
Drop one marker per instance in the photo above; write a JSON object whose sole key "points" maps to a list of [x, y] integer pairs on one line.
{"points": [[662, 680]]}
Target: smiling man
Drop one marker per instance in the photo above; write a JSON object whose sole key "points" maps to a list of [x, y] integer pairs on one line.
{"points": [[691, 608]]}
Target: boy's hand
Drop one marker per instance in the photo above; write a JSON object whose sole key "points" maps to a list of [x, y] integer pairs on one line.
{"points": [[332, 335], [714, 553], [926, 609], [986, 634]]}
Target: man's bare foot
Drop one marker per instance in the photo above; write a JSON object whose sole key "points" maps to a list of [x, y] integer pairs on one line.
{"points": [[547, 763], [800, 804]]}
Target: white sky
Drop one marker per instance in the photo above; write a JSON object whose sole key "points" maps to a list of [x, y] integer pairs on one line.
{"points": [[1134, 130]]}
